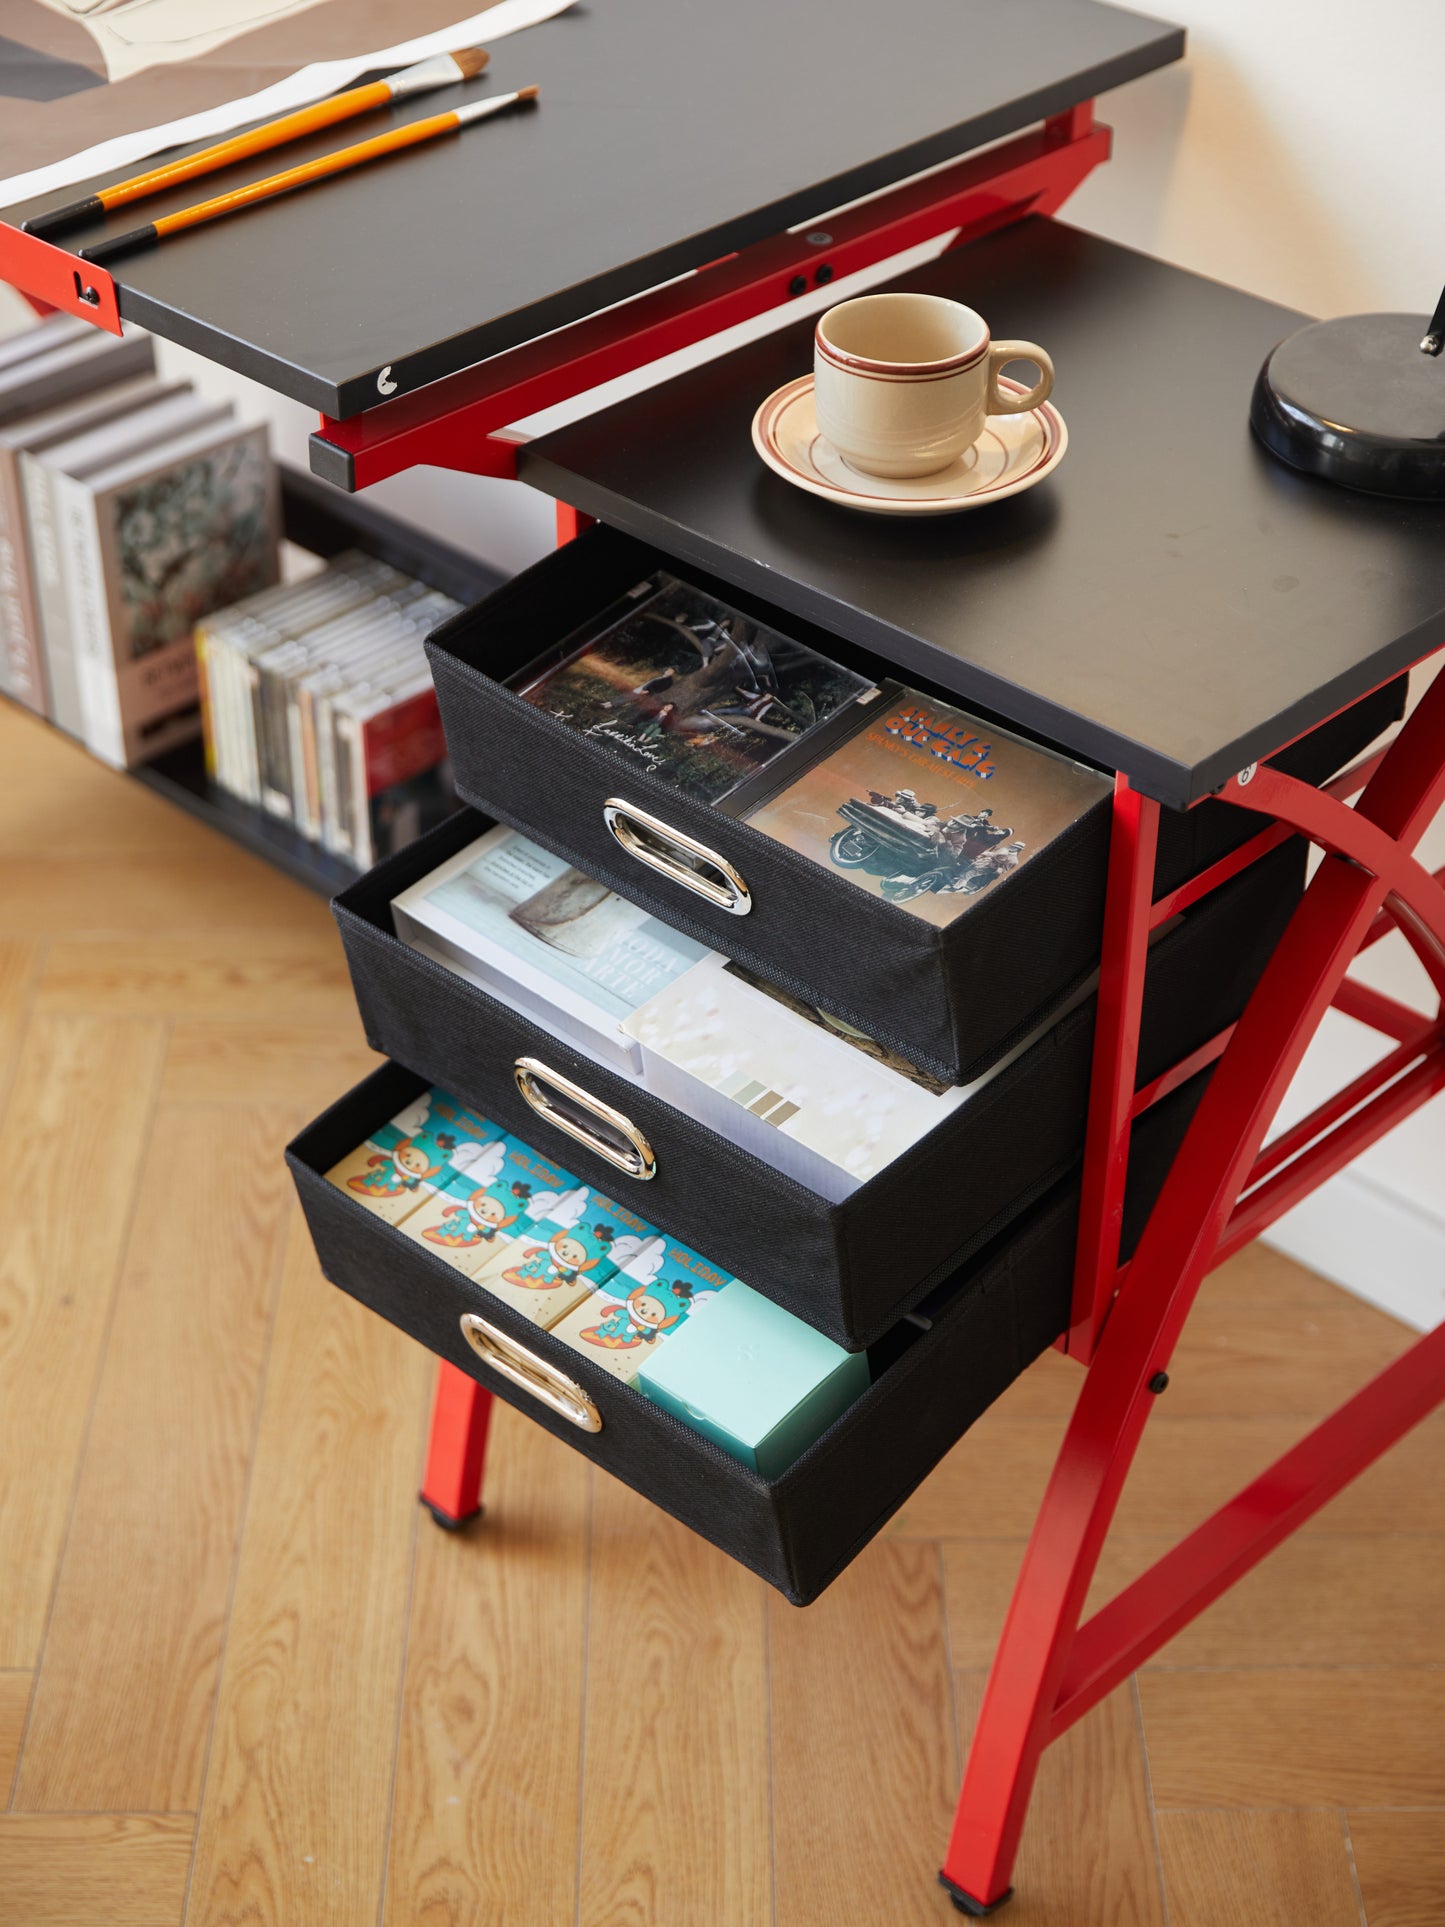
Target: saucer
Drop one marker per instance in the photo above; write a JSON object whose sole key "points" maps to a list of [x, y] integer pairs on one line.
{"points": [[1012, 454]]}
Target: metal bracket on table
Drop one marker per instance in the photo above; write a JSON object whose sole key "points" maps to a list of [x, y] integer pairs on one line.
{"points": [[54, 278]]}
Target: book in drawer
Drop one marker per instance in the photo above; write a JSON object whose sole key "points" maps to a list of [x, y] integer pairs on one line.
{"points": [[885, 887], [931, 1376], [851, 1268]]}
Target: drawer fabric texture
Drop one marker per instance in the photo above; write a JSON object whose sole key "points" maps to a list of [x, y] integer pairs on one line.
{"points": [[849, 1269], [954, 1000], [799, 1531]]}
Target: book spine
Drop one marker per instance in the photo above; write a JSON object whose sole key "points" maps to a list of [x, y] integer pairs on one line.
{"points": [[222, 670], [203, 688], [275, 744], [346, 737], [22, 672], [83, 563], [362, 852], [296, 750], [52, 597], [311, 799], [249, 729], [326, 757]]}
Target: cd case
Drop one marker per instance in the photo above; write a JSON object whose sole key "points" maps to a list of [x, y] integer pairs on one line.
{"points": [[688, 689], [923, 804]]}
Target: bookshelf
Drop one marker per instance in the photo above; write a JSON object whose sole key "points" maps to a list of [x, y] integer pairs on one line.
{"points": [[318, 518]]}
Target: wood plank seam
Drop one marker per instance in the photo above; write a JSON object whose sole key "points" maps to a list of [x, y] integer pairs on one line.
{"points": [[1138, 1705], [952, 1667], [586, 1670], [278, 1267], [772, 1810], [401, 1690], [1354, 1870], [8, 1069], [117, 1273]]}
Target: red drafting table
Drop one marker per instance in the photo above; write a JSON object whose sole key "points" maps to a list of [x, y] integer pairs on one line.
{"points": [[1176, 606], [1172, 605]]}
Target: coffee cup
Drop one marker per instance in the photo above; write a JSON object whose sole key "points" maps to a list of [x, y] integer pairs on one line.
{"points": [[903, 383]]}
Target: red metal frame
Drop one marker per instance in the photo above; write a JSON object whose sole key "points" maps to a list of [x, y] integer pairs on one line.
{"points": [[49, 277], [1224, 1188], [455, 423]]}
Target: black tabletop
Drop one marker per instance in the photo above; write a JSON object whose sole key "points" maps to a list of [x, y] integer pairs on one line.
{"points": [[1171, 602], [669, 132]]}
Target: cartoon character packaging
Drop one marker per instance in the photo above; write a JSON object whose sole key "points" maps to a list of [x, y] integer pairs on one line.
{"points": [[485, 1206], [544, 1273], [408, 1159], [647, 1297]]}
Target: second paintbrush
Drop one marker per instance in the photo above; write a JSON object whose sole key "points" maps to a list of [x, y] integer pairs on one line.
{"points": [[342, 161]]}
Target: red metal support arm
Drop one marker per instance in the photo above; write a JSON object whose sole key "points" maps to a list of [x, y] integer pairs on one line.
{"points": [[454, 423], [1048, 1670], [49, 275]]}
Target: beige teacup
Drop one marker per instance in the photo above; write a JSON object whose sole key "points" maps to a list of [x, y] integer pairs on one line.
{"points": [[903, 383]]}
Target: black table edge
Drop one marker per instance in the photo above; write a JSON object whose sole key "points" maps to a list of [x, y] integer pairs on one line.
{"points": [[1178, 786], [357, 393]]}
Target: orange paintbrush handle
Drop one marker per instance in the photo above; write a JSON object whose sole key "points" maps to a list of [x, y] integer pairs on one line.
{"points": [[290, 177], [441, 70], [341, 162], [276, 133]]}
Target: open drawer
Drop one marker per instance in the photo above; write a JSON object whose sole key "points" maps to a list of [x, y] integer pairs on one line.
{"points": [[932, 1375], [851, 1268], [954, 998]]}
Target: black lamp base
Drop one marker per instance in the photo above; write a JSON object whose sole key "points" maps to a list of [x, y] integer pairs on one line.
{"points": [[1355, 401]]}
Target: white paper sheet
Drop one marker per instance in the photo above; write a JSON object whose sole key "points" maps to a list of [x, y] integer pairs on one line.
{"points": [[306, 84]]}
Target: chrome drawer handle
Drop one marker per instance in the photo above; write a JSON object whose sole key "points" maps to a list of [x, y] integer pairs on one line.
{"points": [[672, 853], [542, 1087], [531, 1374]]}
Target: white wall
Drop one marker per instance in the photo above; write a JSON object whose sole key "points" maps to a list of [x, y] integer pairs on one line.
{"points": [[1294, 153]]}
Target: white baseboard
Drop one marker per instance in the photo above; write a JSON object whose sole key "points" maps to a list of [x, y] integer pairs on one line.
{"points": [[1363, 1237]]}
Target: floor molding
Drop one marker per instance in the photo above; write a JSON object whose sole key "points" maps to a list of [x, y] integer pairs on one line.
{"points": [[1359, 1235]]}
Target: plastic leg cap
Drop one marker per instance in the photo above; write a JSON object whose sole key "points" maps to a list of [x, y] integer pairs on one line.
{"points": [[445, 1519], [966, 1904]]}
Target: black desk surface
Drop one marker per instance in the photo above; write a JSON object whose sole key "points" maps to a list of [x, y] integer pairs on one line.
{"points": [[1171, 602], [669, 132]]}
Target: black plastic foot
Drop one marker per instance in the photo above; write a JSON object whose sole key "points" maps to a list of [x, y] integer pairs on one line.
{"points": [[966, 1904], [445, 1519]]}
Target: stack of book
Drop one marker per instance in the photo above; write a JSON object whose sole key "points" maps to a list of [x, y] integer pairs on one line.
{"points": [[319, 707], [807, 1093], [129, 508]]}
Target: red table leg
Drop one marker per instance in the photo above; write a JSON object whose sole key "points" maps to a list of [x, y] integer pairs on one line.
{"points": [[457, 1449], [1048, 1670]]}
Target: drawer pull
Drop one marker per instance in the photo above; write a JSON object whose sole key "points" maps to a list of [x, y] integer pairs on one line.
{"points": [[618, 1139], [679, 857], [538, 1376]]}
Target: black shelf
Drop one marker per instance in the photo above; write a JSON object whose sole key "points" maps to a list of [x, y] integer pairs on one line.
{"points": [[180, 776]]}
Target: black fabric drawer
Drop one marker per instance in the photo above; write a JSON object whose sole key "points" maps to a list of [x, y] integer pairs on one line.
{"points": [[799, 1531], [850, 1269], [954, 1000]]}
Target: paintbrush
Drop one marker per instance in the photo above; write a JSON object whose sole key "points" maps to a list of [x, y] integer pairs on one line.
{"points": [[341, 162], [441, 70]]}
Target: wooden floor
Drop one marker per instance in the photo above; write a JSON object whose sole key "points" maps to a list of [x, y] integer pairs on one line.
{"points": [[243, 1678]]}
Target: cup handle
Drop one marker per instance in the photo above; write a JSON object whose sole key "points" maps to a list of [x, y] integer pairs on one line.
{"points": [[1002, 403]]}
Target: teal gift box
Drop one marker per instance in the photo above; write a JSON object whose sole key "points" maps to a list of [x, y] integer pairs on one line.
{"points": [[754, 1379]]}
